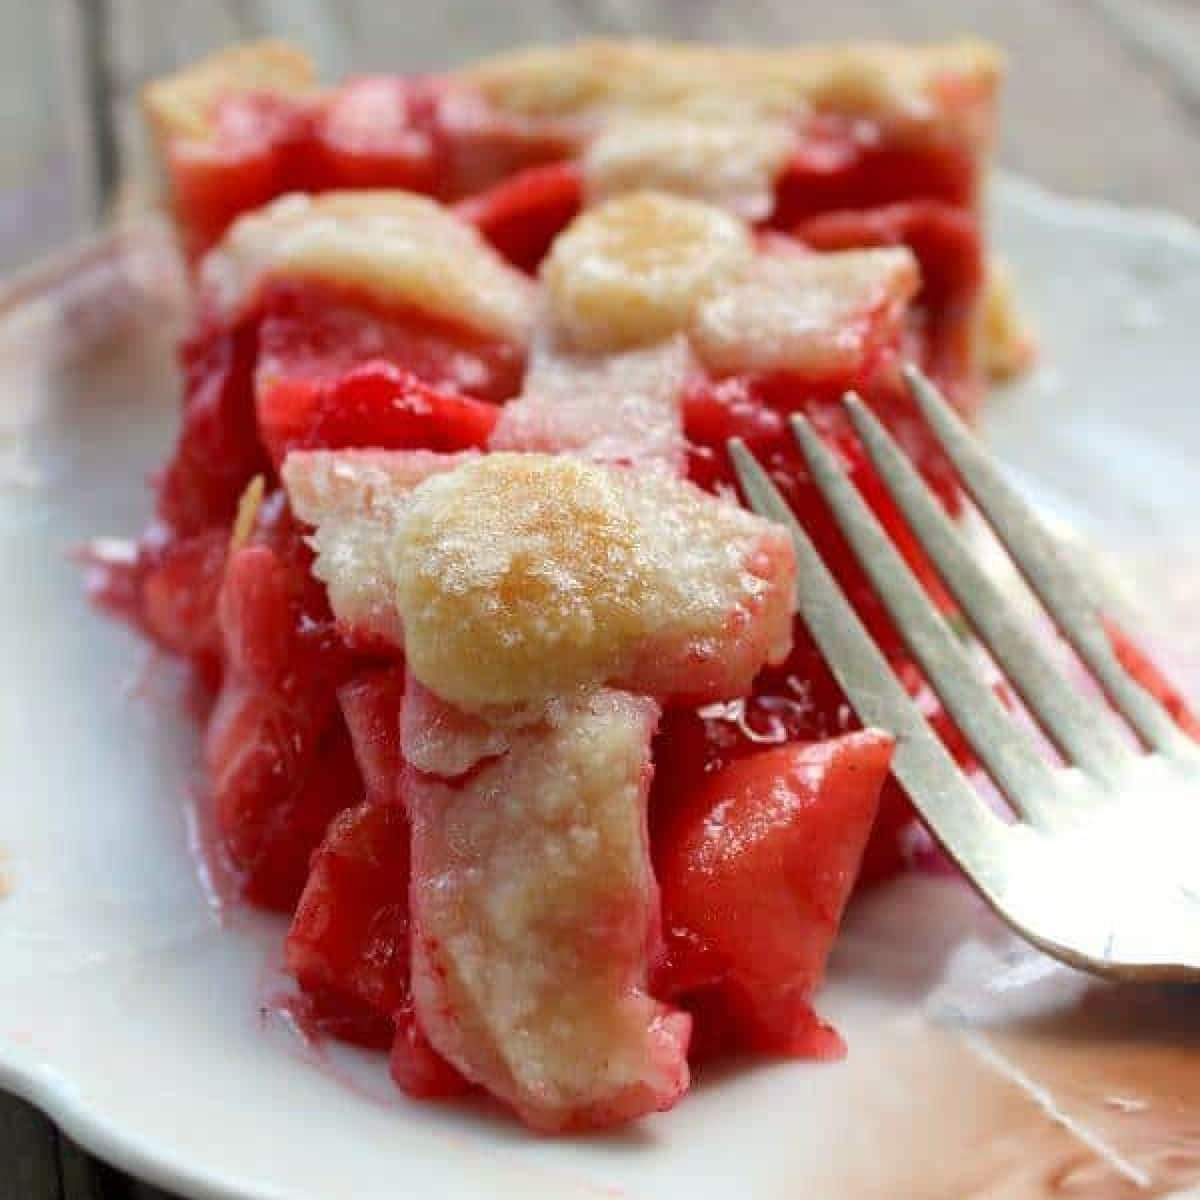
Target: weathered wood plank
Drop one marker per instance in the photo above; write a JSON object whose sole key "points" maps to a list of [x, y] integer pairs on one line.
{"points": [[1081, 113], [448, 32], [141, 40], [47, 185], [327, 29], [28, 1164], [1165, 35]]}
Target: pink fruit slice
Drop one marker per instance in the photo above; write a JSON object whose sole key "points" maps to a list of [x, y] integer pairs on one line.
{"points": [[756, 866], [623, 409]]}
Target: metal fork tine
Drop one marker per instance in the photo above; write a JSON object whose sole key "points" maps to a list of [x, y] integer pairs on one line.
{"points": [[969, 831], [1039, 555], [1008, 753], [1083, 730]]}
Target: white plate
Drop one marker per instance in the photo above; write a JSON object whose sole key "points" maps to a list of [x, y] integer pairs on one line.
{"points": [[133, 1017]]}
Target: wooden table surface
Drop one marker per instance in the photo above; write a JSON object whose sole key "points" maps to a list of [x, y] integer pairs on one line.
{"points": [[1103, 100]]}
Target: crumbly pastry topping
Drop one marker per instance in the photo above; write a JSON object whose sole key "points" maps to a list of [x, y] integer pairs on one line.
{"points": [[1009, 345], [515, 578], [522, 576], [611, 408], [396, 246], [804, 312], [324, 485], [649, 265], [728, 159], [630, 271], [535, 907], [939, 84], [519, 577], [622, 283], [353, 497], [180, 105], [438, 739], [593, 79]]}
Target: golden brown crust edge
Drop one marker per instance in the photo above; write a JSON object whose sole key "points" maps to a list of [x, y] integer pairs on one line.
{"points": [[1009, 344], [178, 106], [886, 79], [953, 82]]}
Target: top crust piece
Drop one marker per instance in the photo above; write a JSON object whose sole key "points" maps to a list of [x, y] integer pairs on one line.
{"points": [[511, 579], [395, 246], [180, 105], [950, 84]]}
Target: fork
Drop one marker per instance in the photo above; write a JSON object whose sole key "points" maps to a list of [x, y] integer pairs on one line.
{"points": [[1101, 866]]}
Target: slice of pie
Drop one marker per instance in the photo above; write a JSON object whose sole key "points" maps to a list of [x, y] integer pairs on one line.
{"points": [[510, 710]]}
